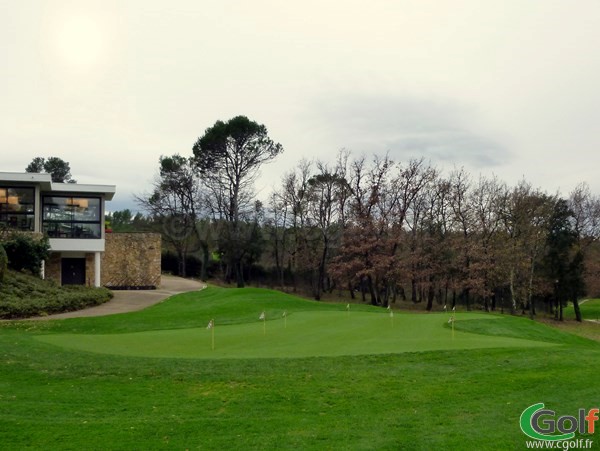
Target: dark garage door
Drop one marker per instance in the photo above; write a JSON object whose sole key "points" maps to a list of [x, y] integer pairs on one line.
{"points": [[73, 271]]}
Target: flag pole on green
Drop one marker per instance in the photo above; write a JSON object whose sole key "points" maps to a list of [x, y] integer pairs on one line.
{"points": [[211, 326], [264, 320]]}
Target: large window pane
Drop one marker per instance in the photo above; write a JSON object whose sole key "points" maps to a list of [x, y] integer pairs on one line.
{"points": [[71, 217], [86, 209], [55, 209], [17, 221], [17, 206]]}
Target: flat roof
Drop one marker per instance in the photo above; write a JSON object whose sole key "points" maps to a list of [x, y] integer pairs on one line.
{"points": [[107, 190], [44, 181], [41, 179]]}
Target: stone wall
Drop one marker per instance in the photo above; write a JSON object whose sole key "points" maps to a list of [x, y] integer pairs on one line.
{"points": [[90, 270], [131, 260], [52, 269]]}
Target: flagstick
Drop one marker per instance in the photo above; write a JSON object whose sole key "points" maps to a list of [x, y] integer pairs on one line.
{"points": [[211, 326], [212, 333], [263, 317]]}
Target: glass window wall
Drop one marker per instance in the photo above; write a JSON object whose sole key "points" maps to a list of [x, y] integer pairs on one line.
{"points": [[71, 217], [17, 208]]}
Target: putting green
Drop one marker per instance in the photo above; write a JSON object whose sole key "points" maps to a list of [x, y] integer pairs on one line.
{"points": [[302, 334]]}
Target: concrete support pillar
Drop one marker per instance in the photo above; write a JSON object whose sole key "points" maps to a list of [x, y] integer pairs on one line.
{"points": [[96, 269]]}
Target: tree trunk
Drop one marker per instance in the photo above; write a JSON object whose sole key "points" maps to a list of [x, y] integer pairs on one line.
{"points": [[530, 291], [386, 294], [402, 292], [372, 291], [321, 273], [513, 301], [205, 259], [362, 289], [278, 260], [181, 257], [316, 284], [413, 290], [430, 296], [239, 274], [577, 310], [467, 295], [560, 310]]}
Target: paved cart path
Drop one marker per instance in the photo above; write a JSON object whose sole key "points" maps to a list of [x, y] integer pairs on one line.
{"points": [[132, 300]]}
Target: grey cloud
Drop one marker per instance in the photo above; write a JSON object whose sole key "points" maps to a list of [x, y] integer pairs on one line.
{"points": [[409, 127]]}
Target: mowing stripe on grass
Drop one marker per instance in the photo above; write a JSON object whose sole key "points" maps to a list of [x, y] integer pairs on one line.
{"points": [[318, 333]]}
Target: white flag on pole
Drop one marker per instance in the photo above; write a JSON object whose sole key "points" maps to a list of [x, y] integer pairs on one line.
{"points": [[284, 314], [211, 324], [262, 316]]}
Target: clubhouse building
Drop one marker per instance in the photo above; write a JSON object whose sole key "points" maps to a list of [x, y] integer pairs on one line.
{"points": [[71, 214]]}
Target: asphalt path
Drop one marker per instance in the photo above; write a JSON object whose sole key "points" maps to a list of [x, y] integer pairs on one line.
{"points": [[131, 300]]}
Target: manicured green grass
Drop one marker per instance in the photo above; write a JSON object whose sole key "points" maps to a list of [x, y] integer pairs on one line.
{"points": [[590, 309], [303, 334], [56, 397]]}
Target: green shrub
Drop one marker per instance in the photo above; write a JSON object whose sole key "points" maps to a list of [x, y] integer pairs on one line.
{"points": [[23, 296], [3, 262], [26, 252]]}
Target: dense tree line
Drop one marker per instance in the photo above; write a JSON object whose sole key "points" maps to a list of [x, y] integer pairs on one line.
{"points": [[386, 230], [374, 228]]}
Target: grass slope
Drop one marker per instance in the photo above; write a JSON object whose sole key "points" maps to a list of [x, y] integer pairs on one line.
{"points": [[58, 398], [590, 309]]}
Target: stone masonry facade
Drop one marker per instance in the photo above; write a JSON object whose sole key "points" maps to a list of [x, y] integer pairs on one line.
{"points": [[52, 269], [131, 260]]}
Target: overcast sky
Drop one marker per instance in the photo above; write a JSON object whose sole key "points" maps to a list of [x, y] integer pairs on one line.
{"points": [[502, 87]]}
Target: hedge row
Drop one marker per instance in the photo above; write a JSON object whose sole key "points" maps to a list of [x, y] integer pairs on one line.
{"points": [[24, 296]]}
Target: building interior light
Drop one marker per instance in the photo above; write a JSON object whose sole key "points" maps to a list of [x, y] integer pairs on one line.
{"points": [[81, 203]]}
